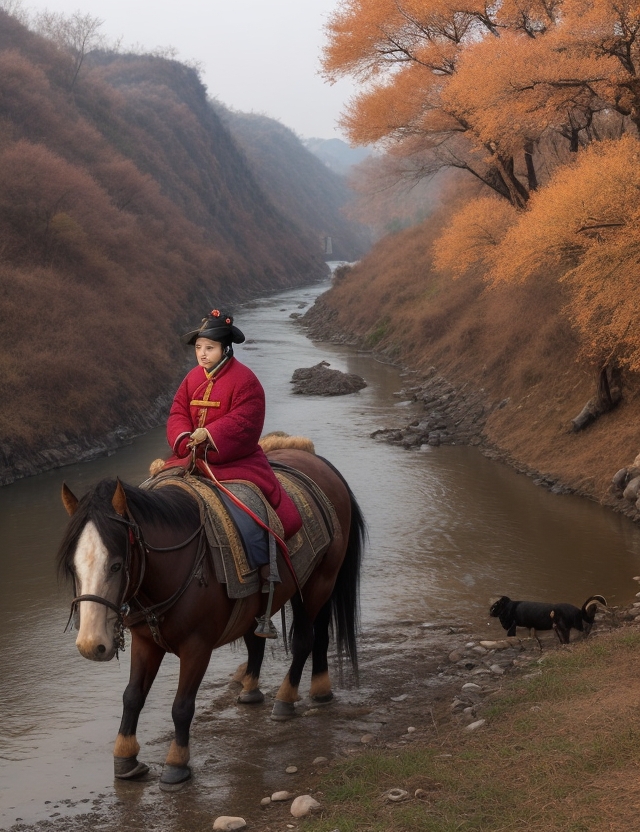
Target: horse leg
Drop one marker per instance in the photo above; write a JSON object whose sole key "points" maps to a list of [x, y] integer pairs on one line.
{"points": [[193, 664], [301, 646], [146, 658], [251, 693], [320, 690]]}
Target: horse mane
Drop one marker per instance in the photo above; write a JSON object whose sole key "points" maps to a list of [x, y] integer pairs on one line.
{"points": [[278, 439], [168, 506]]}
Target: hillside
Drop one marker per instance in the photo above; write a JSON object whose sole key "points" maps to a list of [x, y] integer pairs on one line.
{"points": [[510, 344], [126, 210], [303, 188]]}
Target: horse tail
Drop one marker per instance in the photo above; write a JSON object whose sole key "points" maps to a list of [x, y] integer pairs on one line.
{"points": [[345, 598]]}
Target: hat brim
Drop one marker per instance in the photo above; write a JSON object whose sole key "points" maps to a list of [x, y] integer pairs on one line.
{"points": [[215, 333]]}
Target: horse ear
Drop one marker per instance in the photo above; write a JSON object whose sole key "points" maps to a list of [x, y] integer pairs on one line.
{"points": [[69, 499], [119, 500]]}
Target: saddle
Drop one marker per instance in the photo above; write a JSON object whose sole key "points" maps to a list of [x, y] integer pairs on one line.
{"points": [[231, 561]]}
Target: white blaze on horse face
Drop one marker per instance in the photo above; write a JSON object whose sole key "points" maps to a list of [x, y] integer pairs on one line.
{"points": [[91, 563]]}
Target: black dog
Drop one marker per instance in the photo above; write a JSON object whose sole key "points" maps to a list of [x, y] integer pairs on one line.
{"points": [[539, 616]]}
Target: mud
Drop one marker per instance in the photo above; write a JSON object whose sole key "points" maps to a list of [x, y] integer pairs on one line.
{"points": [[411, 676]]}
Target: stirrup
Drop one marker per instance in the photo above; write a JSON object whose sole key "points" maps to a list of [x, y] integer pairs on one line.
{"points": [[265, 628]]}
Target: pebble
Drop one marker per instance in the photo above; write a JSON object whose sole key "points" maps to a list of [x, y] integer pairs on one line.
{"points": [[400, 698], [396, 795], [303, 805], [277, 796], [497, 669], [473, 726], [410, 729], [366, 738], [291, 769], [319, 760], [226, 823], [471, 686], [265, 801]]}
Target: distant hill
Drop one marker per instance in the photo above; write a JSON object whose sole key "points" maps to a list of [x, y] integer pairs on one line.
{"points": [[337, 155], [126, 210], [298, 183]]}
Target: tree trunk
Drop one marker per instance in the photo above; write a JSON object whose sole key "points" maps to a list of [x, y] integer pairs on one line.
{"points": [[608, 396]]}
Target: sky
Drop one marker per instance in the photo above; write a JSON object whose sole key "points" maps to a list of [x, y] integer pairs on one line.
{"points": [[258, 56]]}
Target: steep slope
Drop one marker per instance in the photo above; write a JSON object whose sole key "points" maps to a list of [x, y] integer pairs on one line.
{"points": [[511, 344], [303, 188], [126, 210]]}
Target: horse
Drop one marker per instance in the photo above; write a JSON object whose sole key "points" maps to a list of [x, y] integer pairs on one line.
{"points": [[128, 548]]}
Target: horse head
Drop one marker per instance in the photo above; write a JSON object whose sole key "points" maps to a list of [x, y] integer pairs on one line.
{"points": [[94, 553]]}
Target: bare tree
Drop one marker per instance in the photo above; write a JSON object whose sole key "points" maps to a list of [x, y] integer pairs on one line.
{"points": [[78, 34]]}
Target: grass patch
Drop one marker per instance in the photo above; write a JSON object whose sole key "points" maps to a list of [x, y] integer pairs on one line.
{"points": [[559, 753]]}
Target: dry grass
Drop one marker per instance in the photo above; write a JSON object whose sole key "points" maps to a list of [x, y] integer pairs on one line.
{"points": [[559, 753], [512, 341]]}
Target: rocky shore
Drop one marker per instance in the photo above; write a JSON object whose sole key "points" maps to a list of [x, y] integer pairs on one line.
{"points": [[18, 461], [458, 413]]}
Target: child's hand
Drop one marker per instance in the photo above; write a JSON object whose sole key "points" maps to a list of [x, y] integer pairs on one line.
{"points": [[198, 436]]}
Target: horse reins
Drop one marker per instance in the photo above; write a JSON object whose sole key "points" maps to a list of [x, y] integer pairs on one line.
{"points": [[149, 613]]}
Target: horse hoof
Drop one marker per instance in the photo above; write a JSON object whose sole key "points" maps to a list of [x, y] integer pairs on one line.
{"points": [[251, 697], [322, 698], [128, 768], [174, 777], [283, 711]]}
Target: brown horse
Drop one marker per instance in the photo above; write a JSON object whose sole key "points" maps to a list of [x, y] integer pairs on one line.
{"points": [[140, 559]]}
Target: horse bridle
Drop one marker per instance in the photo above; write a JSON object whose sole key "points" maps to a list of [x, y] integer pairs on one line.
{"points": [[135, 540]]}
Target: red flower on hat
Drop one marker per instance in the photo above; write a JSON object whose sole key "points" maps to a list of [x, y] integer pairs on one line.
{"points": [[215, 313], [228, 320]]}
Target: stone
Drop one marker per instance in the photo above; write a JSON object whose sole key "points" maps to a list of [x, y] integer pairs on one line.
{"points": [[291, 769], [366, 738], [471, 687], [319, 380], [226, 823], [265, 801], [475, 725], [319, 760], [631, 491], [303, 805], [396, 795], [280, 796]]}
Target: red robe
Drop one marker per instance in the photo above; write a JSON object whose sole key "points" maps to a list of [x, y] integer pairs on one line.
{"points": [[231, 407]]}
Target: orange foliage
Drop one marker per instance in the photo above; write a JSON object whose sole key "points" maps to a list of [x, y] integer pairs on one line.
{"points": [[587, 221], [473, 235]]}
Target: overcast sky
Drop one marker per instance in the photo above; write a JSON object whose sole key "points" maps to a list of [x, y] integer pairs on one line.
{"points": [[258, 55]]}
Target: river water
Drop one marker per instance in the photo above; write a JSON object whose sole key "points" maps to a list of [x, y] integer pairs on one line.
{"points": [[449, 530]]}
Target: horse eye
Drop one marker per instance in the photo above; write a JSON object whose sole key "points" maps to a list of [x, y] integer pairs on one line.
{"points": [[116, 567]]}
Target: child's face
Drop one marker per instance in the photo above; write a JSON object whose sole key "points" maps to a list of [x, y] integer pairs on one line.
{"points": [[208, 353]]}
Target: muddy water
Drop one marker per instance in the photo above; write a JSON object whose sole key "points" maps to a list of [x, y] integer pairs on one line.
{"points": [[448, 530]]}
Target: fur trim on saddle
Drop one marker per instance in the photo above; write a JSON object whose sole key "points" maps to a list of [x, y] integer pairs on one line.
{"points": [[278, 439], [156, 466]]}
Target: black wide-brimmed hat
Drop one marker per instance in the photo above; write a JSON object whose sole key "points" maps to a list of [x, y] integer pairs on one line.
{"points": [[217, 326]]}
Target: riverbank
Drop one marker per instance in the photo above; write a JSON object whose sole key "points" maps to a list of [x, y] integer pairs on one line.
{"points": [[514, 402], [480, 734]]}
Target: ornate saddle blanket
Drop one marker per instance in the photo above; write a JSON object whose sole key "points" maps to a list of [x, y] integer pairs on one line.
{"points": [[230, 560]]}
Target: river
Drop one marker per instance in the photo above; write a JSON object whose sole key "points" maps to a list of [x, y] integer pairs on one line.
{"points": [[449, 530]]}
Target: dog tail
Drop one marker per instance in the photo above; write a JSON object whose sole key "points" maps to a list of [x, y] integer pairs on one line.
{"points": [[589, 609]]}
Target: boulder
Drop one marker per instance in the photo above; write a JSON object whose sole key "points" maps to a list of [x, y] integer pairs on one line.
{"points": [[319, 380]]}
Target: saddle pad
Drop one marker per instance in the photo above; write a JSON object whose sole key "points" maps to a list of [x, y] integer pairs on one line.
{"points": [[231, 566]]}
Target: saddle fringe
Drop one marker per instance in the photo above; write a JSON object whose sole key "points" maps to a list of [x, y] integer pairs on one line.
{"points": [[278, 439]]}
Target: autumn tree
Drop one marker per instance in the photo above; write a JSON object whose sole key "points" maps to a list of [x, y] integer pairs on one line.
{"points": [[503, 91]]}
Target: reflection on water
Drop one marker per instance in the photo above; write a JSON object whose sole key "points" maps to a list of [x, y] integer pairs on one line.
{"points": [[449, 530]]}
